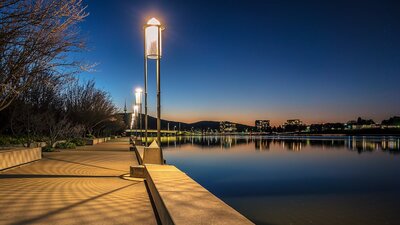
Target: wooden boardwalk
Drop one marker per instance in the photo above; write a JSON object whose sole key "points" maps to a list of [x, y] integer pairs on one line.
{"points": [[82, 186]]}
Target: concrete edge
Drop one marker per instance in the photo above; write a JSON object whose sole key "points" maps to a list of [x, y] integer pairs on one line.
{"points": [[162, 212], [160, 207], [138, 156], [153, 205], [220, 213]]}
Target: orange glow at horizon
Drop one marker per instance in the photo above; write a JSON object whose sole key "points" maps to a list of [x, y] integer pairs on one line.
{"points": [[275, 119]]}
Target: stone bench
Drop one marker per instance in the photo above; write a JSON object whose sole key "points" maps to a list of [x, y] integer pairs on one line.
{"points": [[15, 157], [97, 140]]}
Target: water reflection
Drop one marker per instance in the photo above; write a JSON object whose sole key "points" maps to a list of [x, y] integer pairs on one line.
{"points": [[358, 144], [296, 180]]}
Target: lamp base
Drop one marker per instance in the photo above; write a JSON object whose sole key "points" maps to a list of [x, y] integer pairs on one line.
{"points": [[153, 154]]}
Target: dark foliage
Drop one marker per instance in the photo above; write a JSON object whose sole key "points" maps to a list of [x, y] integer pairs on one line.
{"points": [[393, 121], [59, 109]]}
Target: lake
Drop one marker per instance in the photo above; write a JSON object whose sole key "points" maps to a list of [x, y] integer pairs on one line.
{"points": [[297, 180]]}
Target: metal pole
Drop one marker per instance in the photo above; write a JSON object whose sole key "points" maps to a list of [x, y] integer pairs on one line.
{"points": [[145, 92], [158, 88], [141, 118], [135, 125]]}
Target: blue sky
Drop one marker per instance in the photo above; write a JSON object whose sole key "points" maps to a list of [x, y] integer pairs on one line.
{"points": [[245, 60]]}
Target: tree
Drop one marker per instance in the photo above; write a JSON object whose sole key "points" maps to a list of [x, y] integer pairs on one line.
{"points": [[35, 37], [113, 126], [361, 121], [392, 121], [39, 111], [88, 106]]}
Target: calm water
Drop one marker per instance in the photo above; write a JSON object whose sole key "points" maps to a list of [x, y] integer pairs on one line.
{"points": [[297, 180]]}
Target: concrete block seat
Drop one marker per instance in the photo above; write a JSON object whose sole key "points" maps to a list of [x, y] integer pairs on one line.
{"points": [[15, 157]]}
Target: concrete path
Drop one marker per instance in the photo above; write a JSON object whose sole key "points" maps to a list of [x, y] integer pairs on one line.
{"points": [[81, 186]]}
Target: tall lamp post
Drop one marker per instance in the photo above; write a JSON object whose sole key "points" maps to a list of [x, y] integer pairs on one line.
{"points": [[138, 102], [135, 113], [153, 50], [132, 125]]}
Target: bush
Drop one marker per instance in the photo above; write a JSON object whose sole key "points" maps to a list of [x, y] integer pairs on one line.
{"points": [[66, 145], [79, 141], [6, 140], [90, 136], [17, 141], [47, 148], [40, 139]]}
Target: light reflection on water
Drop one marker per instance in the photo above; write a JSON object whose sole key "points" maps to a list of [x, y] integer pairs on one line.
{"points": [[293, 143], [296, 180]]}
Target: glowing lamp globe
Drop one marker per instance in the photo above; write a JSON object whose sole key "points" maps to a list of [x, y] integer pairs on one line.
{"points": [[138, 96], [153, 30]]}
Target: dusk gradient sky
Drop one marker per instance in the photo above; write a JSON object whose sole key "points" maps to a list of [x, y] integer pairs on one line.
{"points": [[319, 61]]}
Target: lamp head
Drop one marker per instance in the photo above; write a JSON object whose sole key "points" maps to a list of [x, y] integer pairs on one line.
{"points": [[138, 96], [153, 21], [138, 90], [153, 39]]}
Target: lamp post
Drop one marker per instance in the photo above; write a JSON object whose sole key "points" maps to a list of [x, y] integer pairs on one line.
{"points": [[132, 122], [153, 50], [138, 101], [135, 112]]}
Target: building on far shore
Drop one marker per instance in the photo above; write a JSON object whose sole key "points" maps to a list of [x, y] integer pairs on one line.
{"points": [[294, 125], [227, 127], [293, 122], [262, 125]]}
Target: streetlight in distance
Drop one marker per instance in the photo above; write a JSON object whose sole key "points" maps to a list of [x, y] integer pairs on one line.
{"points": [[135, 114], [138, 102], [153, 50], [132, 121]]}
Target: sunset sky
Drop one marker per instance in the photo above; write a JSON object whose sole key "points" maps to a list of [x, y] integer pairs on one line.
{"points": [[318, 61]]}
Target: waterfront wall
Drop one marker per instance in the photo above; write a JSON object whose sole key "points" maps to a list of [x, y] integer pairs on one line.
{"points": [[180, 200], [16, 157]]}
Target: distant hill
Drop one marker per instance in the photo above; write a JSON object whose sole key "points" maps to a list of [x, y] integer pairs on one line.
{"points": [[200, 125], [204, 125]]}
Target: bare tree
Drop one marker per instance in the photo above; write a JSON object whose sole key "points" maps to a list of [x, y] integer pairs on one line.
{"points": [[35, 37], [112, 126], [57, 128], [37, 111], [88, 106]]}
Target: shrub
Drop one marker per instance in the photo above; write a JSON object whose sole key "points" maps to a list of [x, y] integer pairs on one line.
{"points": [[17, 141], [47, 148], [6, 140], [90, 136], [66, 145], [40, 139], [79, 141]]}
